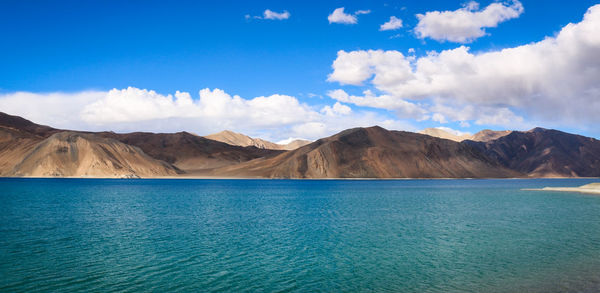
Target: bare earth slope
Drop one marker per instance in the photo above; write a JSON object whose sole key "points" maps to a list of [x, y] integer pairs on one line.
{"points": [[440, 133], [297, 143], [484, 135], [87, 155], [374, 153], [189, 152], [489, 135], [545, 153], [238, 139], [234, 138], [14, 146]]}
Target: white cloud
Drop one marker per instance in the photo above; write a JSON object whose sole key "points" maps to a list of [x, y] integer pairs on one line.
{"points": [[556, 80], [268, 14], [393, 24], [465, 24], [404, 109], [337, 109], [339, 16], [132, 105], [271, 117]]}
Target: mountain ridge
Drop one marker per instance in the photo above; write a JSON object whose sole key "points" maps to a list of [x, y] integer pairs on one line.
{"points": [[238, 139], [29, 149]]}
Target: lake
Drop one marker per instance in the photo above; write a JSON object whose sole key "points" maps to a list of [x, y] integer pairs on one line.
{"points": [[297, 236]]}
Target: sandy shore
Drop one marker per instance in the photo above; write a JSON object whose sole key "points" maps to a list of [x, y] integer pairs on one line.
{"points": [[592, 188]]}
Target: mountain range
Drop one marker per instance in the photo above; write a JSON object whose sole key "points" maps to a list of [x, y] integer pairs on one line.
{"points": [[28, 149]]}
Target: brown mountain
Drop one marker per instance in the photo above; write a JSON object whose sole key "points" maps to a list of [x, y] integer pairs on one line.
{"points": [[545, 153], [83, 154], [296, 143], [374, 153], [489, 135], [484, 135], [441, 133], [29, 149], [24, 144], [15, 144], [238, 139], [188, 152], [25, 126]]}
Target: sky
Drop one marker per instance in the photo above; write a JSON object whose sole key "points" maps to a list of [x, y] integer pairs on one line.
{"points": [[301, 69]]}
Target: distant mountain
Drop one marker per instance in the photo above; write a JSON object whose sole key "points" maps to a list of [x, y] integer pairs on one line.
{"points": [[238, 139], [29, 149], [440, 133], [189, 152], [294, 144], [83, 154], [375, 153], [545, 153], [484, 135], [489, 135]]}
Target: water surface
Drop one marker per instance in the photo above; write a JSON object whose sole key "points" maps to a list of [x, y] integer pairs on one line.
{"points": [[297, 236]]}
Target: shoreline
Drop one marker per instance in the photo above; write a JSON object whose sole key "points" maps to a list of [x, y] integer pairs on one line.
{"points": [[592, 188], [357, 179]]}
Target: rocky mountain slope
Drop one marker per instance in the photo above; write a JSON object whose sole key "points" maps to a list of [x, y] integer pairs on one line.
{"points": [[375, 153], [483, 135], [545, 153], [29, 149], [238, 139], [189, 152], [86, 155]]}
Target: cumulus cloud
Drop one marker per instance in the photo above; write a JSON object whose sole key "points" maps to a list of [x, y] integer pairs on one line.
{"points": [[268, 14], [337, 109], [132, 109], [393, 24], [339, 16], [465, 24], [556, 79]]}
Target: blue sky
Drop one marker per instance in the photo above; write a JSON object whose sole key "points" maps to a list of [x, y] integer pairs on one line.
{"points": [[72, 47]]}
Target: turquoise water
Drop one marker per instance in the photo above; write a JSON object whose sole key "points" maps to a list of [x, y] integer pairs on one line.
{"points": [[297, 236]]}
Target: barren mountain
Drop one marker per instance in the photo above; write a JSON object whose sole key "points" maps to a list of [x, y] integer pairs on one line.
{"points": [[238, 139], [374, 153], [545, 153], [14, 146], [294, 144], [489, 135], [29, 149], [440, 133], [484, 135], [234, 138], [87, 155], [189, 152]]}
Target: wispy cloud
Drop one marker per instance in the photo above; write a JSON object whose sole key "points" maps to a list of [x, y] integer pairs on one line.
{"points": [[270, 15]]}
